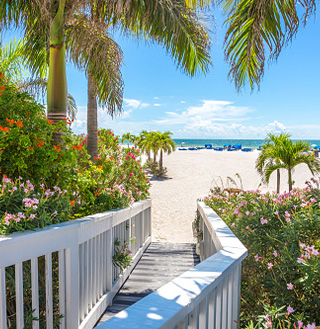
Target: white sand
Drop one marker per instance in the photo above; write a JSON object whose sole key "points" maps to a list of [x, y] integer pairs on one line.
{"points": [[191, 174]]}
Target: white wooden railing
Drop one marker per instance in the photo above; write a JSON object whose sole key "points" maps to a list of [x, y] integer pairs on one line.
{"points": [[87, 279], [206, 296]]}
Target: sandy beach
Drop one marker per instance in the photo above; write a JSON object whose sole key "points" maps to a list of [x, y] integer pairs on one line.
{"points": [[191, 175]]}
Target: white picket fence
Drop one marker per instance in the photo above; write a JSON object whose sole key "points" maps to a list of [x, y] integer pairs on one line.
{"points": [[206, 296], [87, 279]]}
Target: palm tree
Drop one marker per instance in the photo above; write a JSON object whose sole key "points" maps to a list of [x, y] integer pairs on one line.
{"points": [[170, 23], [280, 152], [126, 137], [164, 143], [145, 143]]}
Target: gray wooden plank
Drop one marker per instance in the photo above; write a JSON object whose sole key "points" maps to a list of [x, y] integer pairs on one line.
{"points": [[161, 263]]}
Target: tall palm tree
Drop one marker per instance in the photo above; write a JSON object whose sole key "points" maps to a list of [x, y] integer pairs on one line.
{"points": [[169, 23], [164, 143], [280, 152], [146, 28]]}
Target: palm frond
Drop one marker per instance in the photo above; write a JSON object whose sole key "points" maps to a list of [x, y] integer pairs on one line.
{"points": [[12, 59], [90, 48], [256, 27], [170, 23]]}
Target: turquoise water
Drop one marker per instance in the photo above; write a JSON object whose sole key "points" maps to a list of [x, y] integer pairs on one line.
{"points": [[253, 143]]}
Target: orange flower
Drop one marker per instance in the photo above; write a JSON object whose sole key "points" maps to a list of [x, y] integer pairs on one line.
{"points": [[80, 147], [67, 120], [39, 144], [111, 158], [30, 148], [100, 167], [10, 121], [80, 172], [57, 148], [19, 124], [5, 129], [74, 147], [50, 122], [1, 76], [72, 203], [2, 88], [96, 193]]}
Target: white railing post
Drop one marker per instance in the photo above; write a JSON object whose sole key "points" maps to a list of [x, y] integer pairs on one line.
{"points": [[72, 287], [109, 260]]}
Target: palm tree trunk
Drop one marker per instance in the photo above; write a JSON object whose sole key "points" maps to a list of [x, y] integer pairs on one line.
{"points": [[278, 181], [290, 179], [57, 80], [161, 159], [154, 156], [149, 156], [92, 120]]}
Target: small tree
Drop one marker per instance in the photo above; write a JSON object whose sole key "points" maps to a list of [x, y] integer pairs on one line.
{"points": [[164, 143], [280, 152]]}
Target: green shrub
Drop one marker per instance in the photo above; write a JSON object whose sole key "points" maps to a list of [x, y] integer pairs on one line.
{"points": [[282, 269]]}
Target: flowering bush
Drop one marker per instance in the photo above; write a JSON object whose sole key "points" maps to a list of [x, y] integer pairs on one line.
{"points": [[122, 255], [281, 272], [26, 146], [22, 207], [121, 166]]}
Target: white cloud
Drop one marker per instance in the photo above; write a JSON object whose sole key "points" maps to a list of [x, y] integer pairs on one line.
{"points": [[183, 102], [157, 104], [209, 111], [155, 97], [134, 103]]}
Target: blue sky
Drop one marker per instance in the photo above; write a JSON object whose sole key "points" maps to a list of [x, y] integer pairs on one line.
{"points": [[158, 96]]}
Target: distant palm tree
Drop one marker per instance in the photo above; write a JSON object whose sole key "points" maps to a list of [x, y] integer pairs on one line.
{"points": [[163, 143], [129, 138], [145, 142], [280, 152]]}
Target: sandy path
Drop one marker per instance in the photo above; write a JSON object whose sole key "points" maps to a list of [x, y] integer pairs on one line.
{"points": [[191, 174]]}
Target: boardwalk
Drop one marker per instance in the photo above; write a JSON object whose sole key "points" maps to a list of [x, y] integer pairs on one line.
{"points": [[161, 263]]}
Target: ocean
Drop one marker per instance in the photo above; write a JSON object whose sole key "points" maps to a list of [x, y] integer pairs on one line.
{"points": [[252, 143]]}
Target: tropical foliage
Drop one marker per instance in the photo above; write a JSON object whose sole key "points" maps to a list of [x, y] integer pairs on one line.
{"points": [[280, 152], [257, 31], [281, 278], [27, 152]]}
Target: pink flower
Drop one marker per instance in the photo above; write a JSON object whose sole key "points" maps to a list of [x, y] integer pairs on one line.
{"points": [[300, 324], [311, 326], [247, 213], [263, 221], [33, 216], [300, 260], [275, 254], [270, 265], [315, 252], [233, 225], [269, 323], [290, 286], [257, 258], [290, 309]]}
